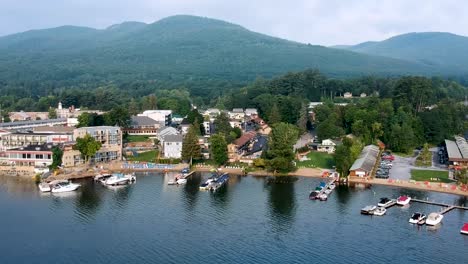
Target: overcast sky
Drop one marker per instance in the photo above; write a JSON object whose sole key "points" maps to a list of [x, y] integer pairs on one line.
{"points": [[324, 22]]}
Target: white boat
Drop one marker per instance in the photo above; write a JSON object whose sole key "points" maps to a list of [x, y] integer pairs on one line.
{"points": [[44, 187], [332, 186], [61, 186], [384, 202], [172, 182], [119, 179], [181, 181], [328, 191], [380, 211], [101, 177], [368, 210], [434, 219], [323, 197], [416, 217], [403, 200]]}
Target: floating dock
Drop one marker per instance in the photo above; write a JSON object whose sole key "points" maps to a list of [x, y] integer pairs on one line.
{"points": [[448, 207]]}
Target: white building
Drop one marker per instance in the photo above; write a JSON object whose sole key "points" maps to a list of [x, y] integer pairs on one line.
{"points": [[328, 145], [236, 113], [159, 116], [251, 112], [172, 146], [165, 131]]}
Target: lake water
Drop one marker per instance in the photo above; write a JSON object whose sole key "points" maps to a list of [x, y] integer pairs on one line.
{"points": [[248, 222]]}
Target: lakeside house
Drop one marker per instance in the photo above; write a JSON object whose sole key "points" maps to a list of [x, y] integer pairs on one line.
{"points": [[22, 139], [457, 153], [38, 156], [364, 164], [328, 146], [164, 131], [172, 146]]}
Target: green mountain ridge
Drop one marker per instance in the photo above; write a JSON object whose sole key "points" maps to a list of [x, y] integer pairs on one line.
{"points": [[178, 51], [439, 49]]}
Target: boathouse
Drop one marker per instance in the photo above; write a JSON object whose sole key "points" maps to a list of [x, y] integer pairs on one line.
{"points": [[365, 163], [457, 153]]}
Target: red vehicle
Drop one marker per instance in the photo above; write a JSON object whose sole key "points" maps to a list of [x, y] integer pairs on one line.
{"points": [[388, 157]]}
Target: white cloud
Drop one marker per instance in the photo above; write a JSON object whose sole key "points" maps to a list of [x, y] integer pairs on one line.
{"points": [[310, 21]]}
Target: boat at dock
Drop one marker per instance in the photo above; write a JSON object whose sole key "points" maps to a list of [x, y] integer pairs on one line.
{"points": [[464, 229], [119, 179], [384, 202], [101, 177], [205, 186], [313, 195], [368, 210], [416, 217], [180, 178], [219, 182], [403, 200], [44, 187], [434, 219], [380, 211], [323, 197], [61, 186]]}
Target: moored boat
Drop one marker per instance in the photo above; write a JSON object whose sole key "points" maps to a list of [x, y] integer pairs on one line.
{"points": [[464, 229], [422, 221], [416, 217], [61, 186], [101, 177], [384, 202], [403, 200], [323, 197], [119, 179], [219, 182], [181, 181], [380, 211], [313, 195], [44, 187], [434, 219], [328, 191], [368, 210]]}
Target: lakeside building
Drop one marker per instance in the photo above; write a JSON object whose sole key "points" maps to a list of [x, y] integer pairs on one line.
{"points": [[72, 112], [164, 131], [172, 146], [457, 153], [39, 156], [34, 123], [162, 116], [365, 163], [24, 139], [111, 149], [237, 114], [143, 125], [328, 145]]}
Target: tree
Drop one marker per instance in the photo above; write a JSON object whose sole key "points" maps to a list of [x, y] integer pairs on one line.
{"points": [[87, 146], [190, 147], [85, 120], [222, 124], [57, 155], [218, 147], [280, 152], [303, 118], [193, 116], [52, 113], [274, 116], [118, 116]]}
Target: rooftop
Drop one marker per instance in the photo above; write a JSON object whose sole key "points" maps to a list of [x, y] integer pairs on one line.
{"points": [[246, 137], [42, 147], [173, 138], [142, 121], [457, 149], [366, 159], [53, 129]]}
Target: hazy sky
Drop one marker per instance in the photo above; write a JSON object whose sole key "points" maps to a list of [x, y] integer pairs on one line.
{"points": [[325, 22]]}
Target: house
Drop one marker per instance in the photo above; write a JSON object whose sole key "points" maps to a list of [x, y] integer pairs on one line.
{"points": [[164, 131], [328, 145], [143, 125], [457, 153], [251, 112], [32, 155], [363, 95], [347, 95], [172, 146], [365, 163], [212, 112], [163, 116], [110, 138], [237, 114]]}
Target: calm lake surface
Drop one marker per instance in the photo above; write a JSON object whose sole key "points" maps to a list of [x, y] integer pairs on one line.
{"points": [[248, 222]]}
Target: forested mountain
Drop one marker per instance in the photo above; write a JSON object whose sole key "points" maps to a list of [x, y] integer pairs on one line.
{"points": [[431, 48], [204, 55]]}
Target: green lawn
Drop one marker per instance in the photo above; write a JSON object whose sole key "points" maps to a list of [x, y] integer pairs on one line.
{"points": [[137, 138], [149, 156], [318, 160], [430, 175]]}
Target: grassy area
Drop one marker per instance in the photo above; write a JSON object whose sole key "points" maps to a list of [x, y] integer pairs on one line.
{"points": [[404, 155], [318, 160], [430, 175], [137, 138], [149, 156]]}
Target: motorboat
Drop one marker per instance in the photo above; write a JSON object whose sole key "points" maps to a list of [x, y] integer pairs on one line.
{"points": [[44, 187], [101, 177], [464, 229], [313, 195], [185, 171], [181, 181], [422, 221], [403, 200], [380, 211], [61, 186], [328, 191], [219, 182], [323, 197], [384, 202], [119, 179], [416, 217], [434, 219], [206, 185], [331, 186], [368, 210]]}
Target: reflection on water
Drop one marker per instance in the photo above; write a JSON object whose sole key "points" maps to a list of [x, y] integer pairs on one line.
{"points": [[89, 200], [282, 201], [191, 190]]}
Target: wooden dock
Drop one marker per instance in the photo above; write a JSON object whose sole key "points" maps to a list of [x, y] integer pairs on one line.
{"points": [[187, 175], [448, 207]]}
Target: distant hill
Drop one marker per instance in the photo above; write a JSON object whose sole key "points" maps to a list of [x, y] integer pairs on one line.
{"points": [[431, 48], [177, 50]]}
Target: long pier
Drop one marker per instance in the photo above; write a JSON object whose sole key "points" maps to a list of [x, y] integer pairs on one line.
{"points": [[187, 175], [448, 207]]}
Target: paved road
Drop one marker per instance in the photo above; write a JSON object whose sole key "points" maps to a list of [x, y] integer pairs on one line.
{"points": [[303, 140]]}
